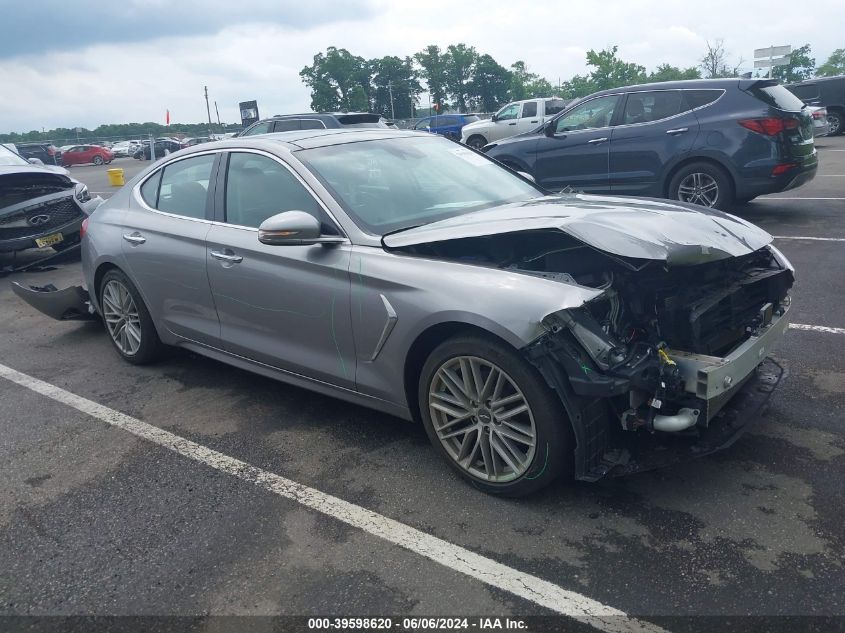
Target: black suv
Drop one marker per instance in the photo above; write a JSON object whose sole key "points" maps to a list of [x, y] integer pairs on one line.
{"points": [[828, 92], [711, 142], [313, 121], [47, 153]]}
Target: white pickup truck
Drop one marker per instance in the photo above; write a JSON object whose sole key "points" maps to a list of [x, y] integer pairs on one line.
{"points": [[514, 118]]}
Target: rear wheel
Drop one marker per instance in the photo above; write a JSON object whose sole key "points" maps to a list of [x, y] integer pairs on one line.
{"points": [[491, 416], [836, 123], [127, 320], [704, 184], [477, 141]]}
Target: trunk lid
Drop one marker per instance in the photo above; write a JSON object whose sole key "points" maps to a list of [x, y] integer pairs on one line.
{"points": [[677, 233]]}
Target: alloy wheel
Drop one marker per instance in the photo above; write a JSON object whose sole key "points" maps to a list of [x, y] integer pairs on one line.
{"points": [[121, 317], [835, 123], [482, 419], [699, 188]]}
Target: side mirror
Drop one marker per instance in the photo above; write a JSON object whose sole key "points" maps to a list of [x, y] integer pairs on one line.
{"points": [[289, 228], [527, 176], [549, 128], [36, 161], [494, 118]]}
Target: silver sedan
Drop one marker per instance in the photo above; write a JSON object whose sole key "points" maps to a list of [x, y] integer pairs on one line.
{"points": [[533, 335]]}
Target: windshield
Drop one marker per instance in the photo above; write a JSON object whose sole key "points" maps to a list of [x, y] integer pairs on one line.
{"points": [[8, 157], [392, 184]]}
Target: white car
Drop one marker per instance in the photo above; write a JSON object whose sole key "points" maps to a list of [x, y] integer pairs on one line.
{"points": [[515, 118]]}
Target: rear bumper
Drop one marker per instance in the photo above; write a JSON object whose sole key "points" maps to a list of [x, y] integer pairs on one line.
{"points": [[759, 181]]}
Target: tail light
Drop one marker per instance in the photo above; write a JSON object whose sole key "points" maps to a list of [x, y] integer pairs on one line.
{"points": [[84, 228], [820, 114], [770, 126], [782, 168]]}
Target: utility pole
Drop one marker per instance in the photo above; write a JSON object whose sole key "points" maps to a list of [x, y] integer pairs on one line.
{"points": [[218, 117], [390, 89], [208, 111]]}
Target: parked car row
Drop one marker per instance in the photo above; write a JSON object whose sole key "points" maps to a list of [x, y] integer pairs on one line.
{"points": [[827, 92], [709, 142]]}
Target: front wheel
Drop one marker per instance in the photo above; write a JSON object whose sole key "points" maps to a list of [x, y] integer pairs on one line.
{"points": [[98, 160], [704, 184], [127, 320], [476, 142], [492, 418]]}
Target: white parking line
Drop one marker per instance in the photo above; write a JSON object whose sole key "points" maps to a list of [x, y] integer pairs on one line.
{"points": [[817, 328], [794, 198], [802, 237], [532, 588]]}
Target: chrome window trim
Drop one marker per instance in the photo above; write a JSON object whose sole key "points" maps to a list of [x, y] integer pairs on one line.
{"points": [[668, 118], [320, 121], [136, 190], [299, 178]]}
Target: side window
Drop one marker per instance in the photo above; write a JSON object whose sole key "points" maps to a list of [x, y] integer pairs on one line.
{"points": [[806, 92], [184, 186], [149, 190], [312, 124], [529, 109], [553, 106], [259, 128], [287, 125], [508, 112], [258, 187], [592, 114], [644, 107], [698, 98]]}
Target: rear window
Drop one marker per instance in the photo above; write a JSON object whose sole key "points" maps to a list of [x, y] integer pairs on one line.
{"points": [[699, 98], [553, 106], [810, 91], [778, 97]]}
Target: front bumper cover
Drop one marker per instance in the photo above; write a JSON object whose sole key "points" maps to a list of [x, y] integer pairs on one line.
{"points": [[70, 304]]}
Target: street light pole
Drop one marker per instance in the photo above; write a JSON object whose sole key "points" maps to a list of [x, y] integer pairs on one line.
{"points": [[208, 111], [390, 89]]}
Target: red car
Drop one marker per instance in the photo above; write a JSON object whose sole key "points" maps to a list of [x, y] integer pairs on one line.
{"points": [[82, 154]]}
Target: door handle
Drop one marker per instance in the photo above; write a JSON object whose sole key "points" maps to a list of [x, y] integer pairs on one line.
{"points": [[679, 130], [223, 257], [514, 123], [596, 141], [535, 121], [135, 238]]}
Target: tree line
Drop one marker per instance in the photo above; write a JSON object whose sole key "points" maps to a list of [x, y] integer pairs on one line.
{"points": [[463, 79], [456, 78]]}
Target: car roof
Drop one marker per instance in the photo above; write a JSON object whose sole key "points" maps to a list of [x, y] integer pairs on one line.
{"points": [[700, 84], [304, 139], [816, 80]]}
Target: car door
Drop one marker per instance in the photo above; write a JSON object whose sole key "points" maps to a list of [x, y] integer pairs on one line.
{"points": [[503, 124], [164, 231], [72, 156], [286, 306], [529, 117], [656, 129], [576, 151]]}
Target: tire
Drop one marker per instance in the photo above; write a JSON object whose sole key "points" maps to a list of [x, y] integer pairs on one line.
{"points": [[98, 160], [836, 122], [536, 465], [698, 179], [149, 348], [476, 141]]}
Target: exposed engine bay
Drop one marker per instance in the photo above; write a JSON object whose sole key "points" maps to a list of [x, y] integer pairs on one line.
{"points": [[651, 344]]}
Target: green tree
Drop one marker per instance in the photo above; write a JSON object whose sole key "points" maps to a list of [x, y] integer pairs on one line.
{"points": [[800, 66], [667, 72], [432, 63], [576, 87], [490, 84], [398, 77], [460, 61], [338, 80], [611, 72], [527, 85], [835, 64]]}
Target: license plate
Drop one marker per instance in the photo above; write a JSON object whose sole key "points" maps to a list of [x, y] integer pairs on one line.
{"points": [[49, 240]]}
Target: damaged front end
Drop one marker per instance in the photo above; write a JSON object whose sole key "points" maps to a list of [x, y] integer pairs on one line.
{"points": [[669, 362], [69, 304]]}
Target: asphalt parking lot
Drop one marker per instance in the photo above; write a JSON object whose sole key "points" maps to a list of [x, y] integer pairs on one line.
{"points": [[95, 518]]}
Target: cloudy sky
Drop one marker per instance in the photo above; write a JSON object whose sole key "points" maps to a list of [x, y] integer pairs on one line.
{"points": [[88, 62]]}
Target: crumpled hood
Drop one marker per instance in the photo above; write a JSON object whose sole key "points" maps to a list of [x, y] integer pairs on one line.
{"points": [[641, 228]]}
